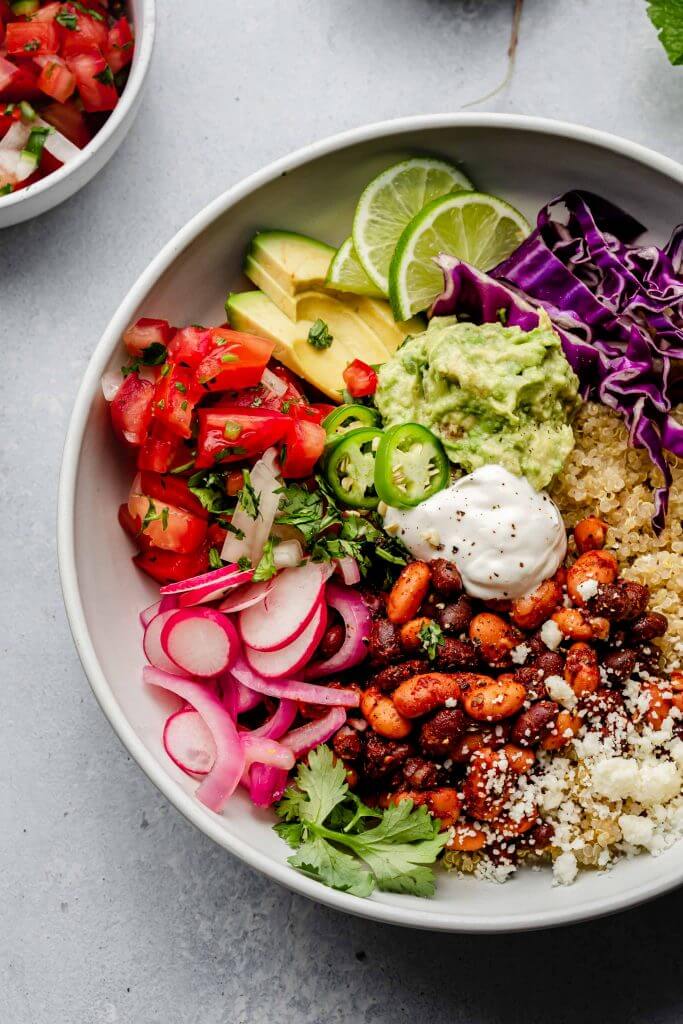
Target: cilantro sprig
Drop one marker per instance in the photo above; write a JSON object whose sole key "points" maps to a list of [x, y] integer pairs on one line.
{"points": [[431, 638], [348, 846], [667, 18]]}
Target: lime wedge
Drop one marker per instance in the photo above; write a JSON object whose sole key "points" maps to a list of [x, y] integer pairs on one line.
{"points": [[346, 273], [390, 202], [475, 227]]}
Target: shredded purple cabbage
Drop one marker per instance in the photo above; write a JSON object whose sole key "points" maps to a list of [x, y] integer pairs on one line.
{"points": [[618, 308]]}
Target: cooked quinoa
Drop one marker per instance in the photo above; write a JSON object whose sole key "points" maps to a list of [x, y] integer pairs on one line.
{"points": [[606, 478]]}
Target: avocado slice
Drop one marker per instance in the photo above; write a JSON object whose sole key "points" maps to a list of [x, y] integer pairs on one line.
{"points": [[295, 262], [352, 339]]}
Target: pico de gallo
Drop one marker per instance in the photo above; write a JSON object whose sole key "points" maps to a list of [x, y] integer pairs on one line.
{"points": [[63, 67]]}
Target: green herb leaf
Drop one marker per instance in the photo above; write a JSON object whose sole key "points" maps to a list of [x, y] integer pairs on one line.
{"points": [[319, 335], [215, 560], [265, 570], [247, 498], [106, 77], [244, 563], [431, 637], [209, 488], [667, 18], [66, 19], [327, 826], [152, 516]]}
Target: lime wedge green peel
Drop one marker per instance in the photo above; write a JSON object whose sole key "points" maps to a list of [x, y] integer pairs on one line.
{"points": [[390, 202], [478, 228], [346, 273]]}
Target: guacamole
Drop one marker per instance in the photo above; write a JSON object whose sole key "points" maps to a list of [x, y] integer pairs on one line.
{"points": [[493, 394]]}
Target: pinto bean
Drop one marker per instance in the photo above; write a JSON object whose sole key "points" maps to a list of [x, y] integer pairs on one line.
{"points": [[384, 643], [439, 735], [649, 626], [442, 801], [445, 577], [456, 617], [387, 679], [581, 669], [601, 566], [382, 756], [410, 633], [590, 534], [457, 654], [408, 592], [381, 714], [347, 743], [621, 601], [520, 761], [418, 773], [558, 736], [487, 786], [465, 838], [620, 664], [490, 700], [530, 727], [333, 638], [531, 611], [573, 623], [494, 636], [676, 685], [510, 827], [494, 737], [426, 692], [659, 706]]}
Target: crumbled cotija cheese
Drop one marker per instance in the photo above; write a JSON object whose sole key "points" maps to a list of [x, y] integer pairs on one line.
{"points": [[560, 690], [519, 654], [551, 635], [565, 869], [588, 589]]}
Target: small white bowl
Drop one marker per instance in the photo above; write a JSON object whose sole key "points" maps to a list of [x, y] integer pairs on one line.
{"points": [[55, 188], [527, 161]]}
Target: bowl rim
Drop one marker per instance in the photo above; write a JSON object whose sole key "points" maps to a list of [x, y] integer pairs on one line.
{"points": [[144, 39], [416, 917]]}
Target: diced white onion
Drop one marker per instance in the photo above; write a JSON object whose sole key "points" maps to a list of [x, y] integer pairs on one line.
{"points": [[267, 487]]}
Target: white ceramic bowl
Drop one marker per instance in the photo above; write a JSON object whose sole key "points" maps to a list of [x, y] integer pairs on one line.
{"points": [[55, 188], [525, 160]]}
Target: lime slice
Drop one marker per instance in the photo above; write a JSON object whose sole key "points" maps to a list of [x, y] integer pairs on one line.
{"points": [[390, 202], [346, 273], [475, 227]]}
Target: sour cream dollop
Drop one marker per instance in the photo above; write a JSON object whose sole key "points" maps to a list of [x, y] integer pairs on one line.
{"points": [[504, 537]]}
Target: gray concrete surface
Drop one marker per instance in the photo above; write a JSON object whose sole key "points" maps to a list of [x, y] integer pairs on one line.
{"points": [[112, 908]]}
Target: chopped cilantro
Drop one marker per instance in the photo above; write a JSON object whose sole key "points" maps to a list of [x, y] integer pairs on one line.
{"points": [[215, 560], [244, 563], [319, 335], [106, 77], [329, 828], [66, 19], [179, 386], [431, 638], [247, 498], [209, 488], [154, 355], [265, 570]]}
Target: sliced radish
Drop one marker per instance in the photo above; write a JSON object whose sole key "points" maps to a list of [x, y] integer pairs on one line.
{"points": [[291, 689], [151, 643], [199, 641], [209, 586], [189, 743], [245, 597], [165, 605], [218, 786], [287, 660], [287, 609]]}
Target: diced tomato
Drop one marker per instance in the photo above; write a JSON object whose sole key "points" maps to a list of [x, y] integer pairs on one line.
{"points": [[132, 526], [119, 49], [47, 13], [159, 450], [173, 490], [57, 81], [2, 31], [168, 567], [309, 413], [168, 527], [304, 444], [360, 379], [29, 38], [94, 79], [69, 120], [228, 434], [234, 361], [189, 345], [176, 394], [146, 332], [18, 80], [323, 410], [216, 536], [131, 409], [88, 32]]}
